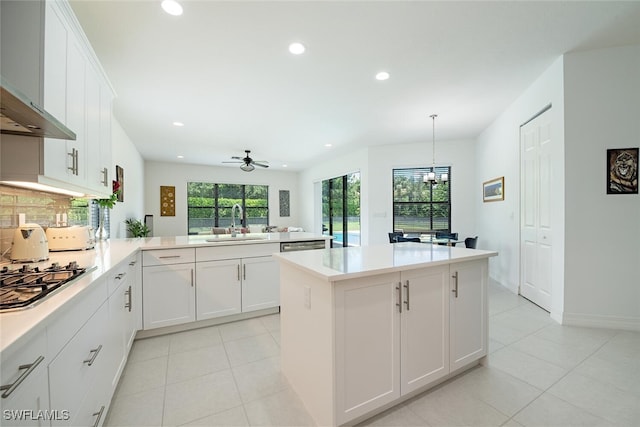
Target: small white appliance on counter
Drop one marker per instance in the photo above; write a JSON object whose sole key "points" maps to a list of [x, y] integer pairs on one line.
{"points": [[29, 244], [74, 238]]}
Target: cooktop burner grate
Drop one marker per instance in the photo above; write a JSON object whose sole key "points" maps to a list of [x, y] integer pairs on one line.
{"points": [[23, 287]]}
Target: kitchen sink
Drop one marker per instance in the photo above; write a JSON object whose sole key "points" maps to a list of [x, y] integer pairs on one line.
{"points": [[240, 237]]}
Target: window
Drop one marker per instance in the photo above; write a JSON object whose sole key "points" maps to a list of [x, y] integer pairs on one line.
{"points": [[341, 209], [419, 207], [209, 205]]}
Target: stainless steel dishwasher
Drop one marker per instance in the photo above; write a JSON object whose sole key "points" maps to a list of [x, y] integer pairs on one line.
{"points": [[302, 246]]}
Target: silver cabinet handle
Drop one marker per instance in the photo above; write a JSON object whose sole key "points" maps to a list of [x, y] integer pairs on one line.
{"points": [[99, 415], [455, 288], [120, 276], [74, 160], [128, 295], [169, 256], [399, 303], [192, 277], [406, 286], [132, 263], [244, 272], [10, 388], [105, 176], [238, 272], [92, 359]]}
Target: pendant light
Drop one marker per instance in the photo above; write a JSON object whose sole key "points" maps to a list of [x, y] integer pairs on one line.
{"points": [[430, 177]]}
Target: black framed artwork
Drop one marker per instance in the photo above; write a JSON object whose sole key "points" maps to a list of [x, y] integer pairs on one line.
{"points": [[622, 171]]}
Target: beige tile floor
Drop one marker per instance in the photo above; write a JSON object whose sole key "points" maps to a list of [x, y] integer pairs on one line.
{"points": [[538, 373]]}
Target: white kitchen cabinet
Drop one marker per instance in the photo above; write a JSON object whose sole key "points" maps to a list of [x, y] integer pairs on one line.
{"points": [[260, 283], [367, 344], [23, 376], [391, 337], [82, 364], [236, 279], [123, 315], [424, 327], [70, 85], [218, 288], [468, 312], [378, 336], [168, 287]]}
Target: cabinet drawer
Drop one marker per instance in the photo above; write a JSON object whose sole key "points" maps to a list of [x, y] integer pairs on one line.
{"points": [[117, 276], [30, 352], [70, 374], [71, 319], [215, 253], [168, 256]]}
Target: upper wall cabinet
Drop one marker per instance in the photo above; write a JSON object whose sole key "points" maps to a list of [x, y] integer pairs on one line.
{"points": [[70, 84]]}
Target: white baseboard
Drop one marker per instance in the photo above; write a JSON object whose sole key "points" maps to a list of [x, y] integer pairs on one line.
{"points": [[600, 321]]}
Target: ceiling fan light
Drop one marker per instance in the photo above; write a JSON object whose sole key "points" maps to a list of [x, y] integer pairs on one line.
{"points": [[247, 167]]}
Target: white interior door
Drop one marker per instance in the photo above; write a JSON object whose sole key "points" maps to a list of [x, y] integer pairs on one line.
{"points": [[536, 237]]}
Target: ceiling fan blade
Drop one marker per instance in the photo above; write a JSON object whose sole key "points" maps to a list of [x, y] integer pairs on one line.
{"points": [[226, 161], [237, 158], [260, 164]]}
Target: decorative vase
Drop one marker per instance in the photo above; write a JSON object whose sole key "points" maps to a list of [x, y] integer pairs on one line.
{"points": [[101, 232]]}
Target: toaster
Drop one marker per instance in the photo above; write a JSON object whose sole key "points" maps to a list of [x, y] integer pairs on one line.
{"points": [[72, 238]]}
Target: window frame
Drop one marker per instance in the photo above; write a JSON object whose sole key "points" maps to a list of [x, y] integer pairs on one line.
{"points": [[430, 203]]}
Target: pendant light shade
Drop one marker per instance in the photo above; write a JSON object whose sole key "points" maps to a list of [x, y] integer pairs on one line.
{"points": [[430, 177]]}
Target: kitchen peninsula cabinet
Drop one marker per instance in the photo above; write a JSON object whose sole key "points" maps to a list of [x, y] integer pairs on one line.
{"points": [[168, 278], [379, 324]]}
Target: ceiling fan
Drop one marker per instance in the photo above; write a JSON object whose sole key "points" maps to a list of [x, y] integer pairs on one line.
{"points": [[247, 163]]}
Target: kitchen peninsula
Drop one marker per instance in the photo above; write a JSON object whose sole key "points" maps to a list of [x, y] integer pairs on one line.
{"points": [[364, 328]]}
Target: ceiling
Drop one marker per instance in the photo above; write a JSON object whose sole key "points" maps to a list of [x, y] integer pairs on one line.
{"points": [[223, 69]]}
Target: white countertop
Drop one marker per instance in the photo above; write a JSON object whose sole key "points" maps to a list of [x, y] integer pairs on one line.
{"points": [[352, 262], [18, 325]]}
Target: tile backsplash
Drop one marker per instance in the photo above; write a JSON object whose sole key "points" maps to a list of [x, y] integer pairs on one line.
{"points": [[46, 209]]}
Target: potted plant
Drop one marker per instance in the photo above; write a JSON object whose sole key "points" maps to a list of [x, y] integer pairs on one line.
{"points": [[136, 228]]}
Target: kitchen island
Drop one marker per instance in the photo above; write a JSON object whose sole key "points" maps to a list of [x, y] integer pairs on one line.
{"points": [[364, 328]]}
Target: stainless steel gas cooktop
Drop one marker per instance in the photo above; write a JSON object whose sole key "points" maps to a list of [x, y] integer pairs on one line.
{"points": [[24, 286]]}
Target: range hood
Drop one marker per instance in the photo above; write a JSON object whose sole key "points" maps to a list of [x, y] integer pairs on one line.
{"points": [[21, 116]]}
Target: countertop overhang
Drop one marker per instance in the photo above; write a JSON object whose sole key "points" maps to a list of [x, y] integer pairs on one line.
{"points": [[339, 264]]}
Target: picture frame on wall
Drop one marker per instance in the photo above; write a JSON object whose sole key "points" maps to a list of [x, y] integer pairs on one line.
{"points": [[622, 171], [120, 179], [493, 190]]}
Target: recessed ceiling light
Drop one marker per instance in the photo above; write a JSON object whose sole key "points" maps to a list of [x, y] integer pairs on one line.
{"points": [[180, 157], [328, 145], [179, 124], [172, 7], [284, 166], [382, 75], [297, 48]]}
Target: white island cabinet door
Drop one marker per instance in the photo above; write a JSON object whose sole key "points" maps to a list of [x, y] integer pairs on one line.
{"points": [[169, 295], [260, 283], [218, 288], [425, 330], [468, 313], [367, 342]]}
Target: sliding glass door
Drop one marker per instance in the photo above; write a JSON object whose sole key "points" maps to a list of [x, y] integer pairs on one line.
{"points": [[341, 209]]}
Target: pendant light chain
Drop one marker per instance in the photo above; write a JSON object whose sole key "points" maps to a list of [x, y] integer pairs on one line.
{"points": [[433, 139]]}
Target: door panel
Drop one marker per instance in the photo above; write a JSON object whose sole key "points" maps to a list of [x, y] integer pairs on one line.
{"points": [[536, 233]]}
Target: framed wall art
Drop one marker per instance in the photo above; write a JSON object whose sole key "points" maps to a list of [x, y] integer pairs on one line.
{"points": [[622, 171], [120, 179], [493, 190], [284, 203], [167, 200]]}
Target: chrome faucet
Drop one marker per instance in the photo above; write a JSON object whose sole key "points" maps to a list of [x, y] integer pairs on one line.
{"points": [[233, 218]]}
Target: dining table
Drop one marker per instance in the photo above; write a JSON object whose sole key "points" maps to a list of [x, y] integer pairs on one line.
{"points": [[430, 238]]}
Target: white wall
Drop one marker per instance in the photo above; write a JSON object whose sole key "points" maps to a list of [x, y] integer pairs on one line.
{"points": [[602, 270], [125, 155], [178, 174], [498, 154], [376, 165]]}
